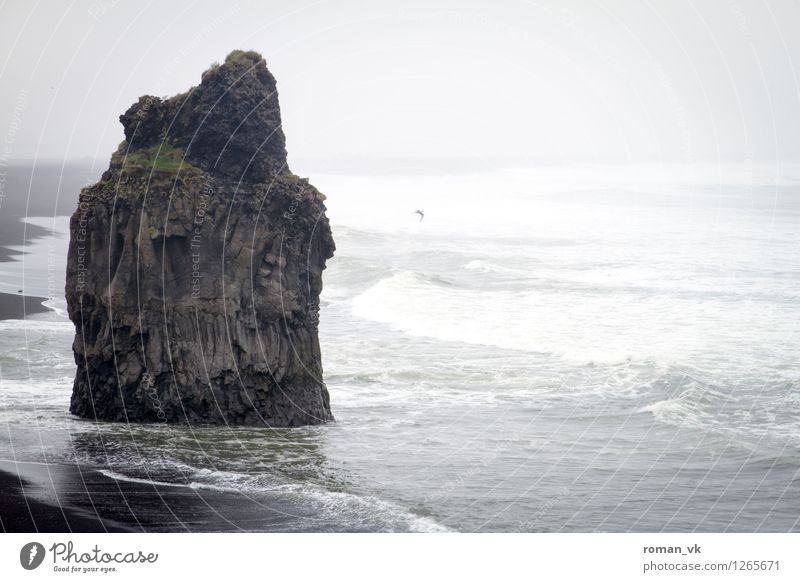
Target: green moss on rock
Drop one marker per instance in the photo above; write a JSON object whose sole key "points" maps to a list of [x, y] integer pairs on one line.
{"points": [[160, 158]]}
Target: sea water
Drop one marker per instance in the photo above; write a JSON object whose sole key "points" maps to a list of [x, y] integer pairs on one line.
{"points": [[564, 348]]}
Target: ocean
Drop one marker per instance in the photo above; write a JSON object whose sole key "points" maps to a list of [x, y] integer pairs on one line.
{"points": [[566, 348]]}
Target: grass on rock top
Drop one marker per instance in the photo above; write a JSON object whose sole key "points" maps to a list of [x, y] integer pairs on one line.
{"points": [[237, 58], [162, 158], [249, 58]]}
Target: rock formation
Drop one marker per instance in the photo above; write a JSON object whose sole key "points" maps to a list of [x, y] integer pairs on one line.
{"points": [[195, 265]]}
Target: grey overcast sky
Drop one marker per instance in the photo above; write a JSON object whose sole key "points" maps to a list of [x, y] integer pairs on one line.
{"points": [[597, 80]]}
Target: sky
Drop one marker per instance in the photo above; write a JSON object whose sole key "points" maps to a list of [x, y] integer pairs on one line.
{"points": [[622, 80]]}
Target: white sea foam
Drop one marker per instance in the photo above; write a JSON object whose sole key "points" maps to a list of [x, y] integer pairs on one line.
{"points": [[581, 327], [35, 325], [490, 267], [120, 477], [58, 305], [347, 507]]}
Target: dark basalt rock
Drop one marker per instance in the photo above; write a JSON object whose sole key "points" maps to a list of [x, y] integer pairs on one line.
{"points": [[195, 265], [230, 125]]}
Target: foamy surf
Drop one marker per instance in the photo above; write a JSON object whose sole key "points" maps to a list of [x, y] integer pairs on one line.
{"points": [[59, 306], [348, 508]]}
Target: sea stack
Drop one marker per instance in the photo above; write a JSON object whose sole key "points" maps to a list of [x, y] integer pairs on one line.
{"points": [[195, 265]]}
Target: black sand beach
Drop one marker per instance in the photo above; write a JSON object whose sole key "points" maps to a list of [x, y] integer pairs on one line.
{"points": [[18, 306], [20, 511], [15, 232], [68, 498], [46, 189]]}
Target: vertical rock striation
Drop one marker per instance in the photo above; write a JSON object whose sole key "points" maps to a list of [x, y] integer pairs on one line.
{"points": [[195, 265]]}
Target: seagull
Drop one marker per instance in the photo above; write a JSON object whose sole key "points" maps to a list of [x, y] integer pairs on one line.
{"points": [[421, 214]]}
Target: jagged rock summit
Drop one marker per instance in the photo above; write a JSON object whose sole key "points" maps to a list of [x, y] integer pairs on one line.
{"points": [[195, 265], [229, 125]]}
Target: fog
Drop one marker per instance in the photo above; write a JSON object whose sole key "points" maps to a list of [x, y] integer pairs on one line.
{"points": [[589, 81]]}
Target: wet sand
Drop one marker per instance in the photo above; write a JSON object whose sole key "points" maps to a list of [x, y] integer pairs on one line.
{"points": [[46, 189], [18, 306], [35, 497], [22, 510]]}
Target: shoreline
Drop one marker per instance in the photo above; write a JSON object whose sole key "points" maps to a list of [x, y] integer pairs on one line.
{"points": [[33, 252], [21, 511], [17, 232], [19, 306], [62, 498]]}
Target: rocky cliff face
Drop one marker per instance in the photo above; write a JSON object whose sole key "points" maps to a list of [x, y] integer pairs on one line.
{"points": [[195, 265]]}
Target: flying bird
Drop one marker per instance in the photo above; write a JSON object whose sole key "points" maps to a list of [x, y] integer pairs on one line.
{"points": [[421, 214]]}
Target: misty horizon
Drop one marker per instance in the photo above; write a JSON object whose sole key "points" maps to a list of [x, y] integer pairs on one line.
{"points": [[619, 82]]}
